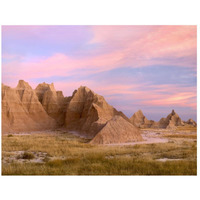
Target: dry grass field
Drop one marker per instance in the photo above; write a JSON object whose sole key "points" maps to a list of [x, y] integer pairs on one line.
{"points": [[61, 153]]}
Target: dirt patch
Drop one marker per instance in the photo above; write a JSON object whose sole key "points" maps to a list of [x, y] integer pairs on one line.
{"points": [[24, 157], [167, 159], [28, 157], [162, 136], [148, 139]]}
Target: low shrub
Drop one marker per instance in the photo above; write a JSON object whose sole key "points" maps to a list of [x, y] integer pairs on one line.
{"points": [[27, 155], [10, 135]]}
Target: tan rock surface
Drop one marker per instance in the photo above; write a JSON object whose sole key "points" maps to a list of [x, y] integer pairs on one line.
{"points": [[191, 122], [85, 112], [21, 110], [117, 130], [52, 101], [139, 120], [170, 122], [88, 112]]}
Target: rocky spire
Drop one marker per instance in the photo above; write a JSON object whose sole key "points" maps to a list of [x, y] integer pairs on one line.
{"points": [[88, 112], [139, 120]]}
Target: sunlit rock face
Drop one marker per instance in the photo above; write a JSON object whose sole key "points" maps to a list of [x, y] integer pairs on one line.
{"points": [[170, 122], [139, 120], [191, 122], [87, 112], [117, 130], [22, 111], [52, 101]]}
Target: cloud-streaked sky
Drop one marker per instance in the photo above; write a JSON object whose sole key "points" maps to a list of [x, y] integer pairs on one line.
{"points": [[153, 68]]}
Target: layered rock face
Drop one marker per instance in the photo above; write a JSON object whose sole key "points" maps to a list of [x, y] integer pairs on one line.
{"points": [[85, 112], [140, 121], [191, 122], [25, 109], [117, 130], [88, 112], [21, 110], [52, 101], [170, 122]]}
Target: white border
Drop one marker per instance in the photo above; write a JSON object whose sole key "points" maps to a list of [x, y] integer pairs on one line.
{"points": [[154, 12]]}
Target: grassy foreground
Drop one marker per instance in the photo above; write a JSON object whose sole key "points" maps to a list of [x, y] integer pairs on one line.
{"points": [[69, 155]]}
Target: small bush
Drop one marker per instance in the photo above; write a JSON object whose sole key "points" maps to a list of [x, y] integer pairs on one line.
{"points": [[10, 135], [27, 155]]}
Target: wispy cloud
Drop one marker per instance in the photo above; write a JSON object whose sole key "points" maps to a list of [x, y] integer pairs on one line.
{"points": [[132, 66]]}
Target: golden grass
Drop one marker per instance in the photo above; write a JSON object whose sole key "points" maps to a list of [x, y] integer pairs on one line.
{"points": [[103, 167], [81, 158], [186, 128], [187, 136]]}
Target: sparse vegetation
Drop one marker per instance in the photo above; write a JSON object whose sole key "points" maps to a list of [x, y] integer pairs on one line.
{"points": [[189, 136], [27, 155], [81, 158], [10, 135], [186, 128]]}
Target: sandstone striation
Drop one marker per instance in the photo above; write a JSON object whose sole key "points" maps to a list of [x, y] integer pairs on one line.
{"points": [[21, 110], [191, 122], [85, 112], [25, 109], [170, 122], [52, 101], [117, 130], [139, 120], [88, 112]]}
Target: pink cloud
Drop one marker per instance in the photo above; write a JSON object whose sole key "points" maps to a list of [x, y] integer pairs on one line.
{"points": [[170, 95], [121, 46], [141, 44], [134, 46], [152, 95]]}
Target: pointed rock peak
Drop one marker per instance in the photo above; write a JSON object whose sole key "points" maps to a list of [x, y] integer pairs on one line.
{"points": [[173, 112], [117, 130], [51, 86], [190, 120], [139, 112], [84, 88], [2, 85], [23, 85], [74, 92], [45, 86]]}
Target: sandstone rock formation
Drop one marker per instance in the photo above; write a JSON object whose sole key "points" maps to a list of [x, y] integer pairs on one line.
{"points": [[21, 110], [117, 130], [170, 122], [85, 112], [25, 109], [52, 101], [140, 121], [191, 122], [88, 112]]}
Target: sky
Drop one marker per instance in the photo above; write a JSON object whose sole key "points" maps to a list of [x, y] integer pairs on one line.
{"points": [[152, 68]]}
